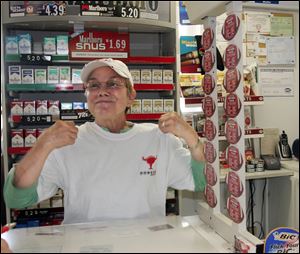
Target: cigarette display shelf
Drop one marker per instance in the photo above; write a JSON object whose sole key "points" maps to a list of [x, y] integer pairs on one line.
{"points": [[249, 100], [79, 87]]}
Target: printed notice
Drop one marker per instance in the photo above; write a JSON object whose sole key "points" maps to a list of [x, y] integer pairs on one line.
{"points": [[280, 50], [277, 81]]}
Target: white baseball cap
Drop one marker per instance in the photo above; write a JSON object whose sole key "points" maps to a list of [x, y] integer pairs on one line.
{"points": [[118, 66]]}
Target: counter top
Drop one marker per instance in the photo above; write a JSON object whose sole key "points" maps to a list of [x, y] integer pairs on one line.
{"points": [[169, 234]]}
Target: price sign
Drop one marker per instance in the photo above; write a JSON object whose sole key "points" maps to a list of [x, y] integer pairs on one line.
{"points": [[36, 119], [54, 10], [91, 45], [127, 12], [35, 59]]}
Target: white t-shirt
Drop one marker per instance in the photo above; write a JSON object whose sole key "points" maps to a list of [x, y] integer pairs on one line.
{"points": [[116, 176]]}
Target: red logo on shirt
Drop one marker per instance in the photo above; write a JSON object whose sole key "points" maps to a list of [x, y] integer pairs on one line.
{"points": [[150, 160]]}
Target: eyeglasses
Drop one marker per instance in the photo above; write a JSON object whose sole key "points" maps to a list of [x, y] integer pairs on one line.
{"points": [[113, 84]]}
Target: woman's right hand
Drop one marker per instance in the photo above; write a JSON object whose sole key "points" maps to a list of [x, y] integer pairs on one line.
{"points": [[60, 134]]}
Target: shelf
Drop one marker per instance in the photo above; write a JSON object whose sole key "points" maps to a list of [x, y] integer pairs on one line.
{"points": [[18, 150], [33, 119], [154, 87], [55, 58], [79, 87], [129, 60], [145, 116], [43, 87], [249, 100], [249, 133]]}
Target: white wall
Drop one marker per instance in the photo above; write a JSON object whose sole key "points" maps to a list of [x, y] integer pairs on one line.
{"points": [[283, 112]]}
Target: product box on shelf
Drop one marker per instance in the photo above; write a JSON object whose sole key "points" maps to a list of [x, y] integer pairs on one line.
{"points": [[53, 74], [25, 43], [14, 74], [29, 137], [27, 76], [29, 108], [146, 76], [168, 76], [16, 108], [157, 76], [40, 76], [17, 138], [11, 45], [62, 45], [41, 107], [50, 46], [158, 105], [136, 75], [76, 76], [169, 105], [65, 74], [136, 106], [53, 108], [147, 106]]}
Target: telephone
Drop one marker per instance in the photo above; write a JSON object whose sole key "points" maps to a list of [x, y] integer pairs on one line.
{"points": [[284, 150]]}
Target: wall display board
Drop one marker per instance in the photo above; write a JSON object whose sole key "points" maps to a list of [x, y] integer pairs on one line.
{"points": [[46, 46]]}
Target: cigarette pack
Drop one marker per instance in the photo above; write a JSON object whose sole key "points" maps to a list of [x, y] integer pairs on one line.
{"points": [[65, 74], [14, 74], [27, 76], [40, 76], [11, 45], [136, 106], [158, 105], [78, 105], [66, 106], [168, 105], [17, 138], [62, 45], [29, 108], [157, 76], [49, 46], [147, 106], [76, 76], [53, 108], [146, 76], [25, 43], [53, 74], [136, 75], [168, 76], [30, 136], [41, 107], [16, 108]]}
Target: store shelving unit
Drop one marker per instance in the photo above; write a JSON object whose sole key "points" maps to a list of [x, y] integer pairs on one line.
{"points": [[152, 46]]}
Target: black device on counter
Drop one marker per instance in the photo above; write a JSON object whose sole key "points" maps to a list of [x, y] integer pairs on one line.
{"points": [[271, 162], [284, 151]]}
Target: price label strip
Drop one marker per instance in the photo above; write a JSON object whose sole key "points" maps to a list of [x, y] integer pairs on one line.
{"points": [[36, 119], [35, 59]]}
